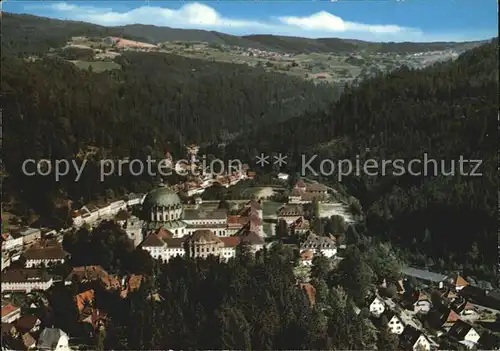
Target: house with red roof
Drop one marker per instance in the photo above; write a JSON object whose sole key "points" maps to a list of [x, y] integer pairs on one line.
{"points": [[10, 313]]}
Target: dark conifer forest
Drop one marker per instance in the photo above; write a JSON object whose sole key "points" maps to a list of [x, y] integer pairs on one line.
{"points": [[156, 103], [447, 111], [159, 102]]}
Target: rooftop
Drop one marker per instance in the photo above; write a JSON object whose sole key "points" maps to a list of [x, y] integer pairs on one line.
{"points": [[193, 214], [25, 275], [424, 274], [45, 250], [8, 308]]}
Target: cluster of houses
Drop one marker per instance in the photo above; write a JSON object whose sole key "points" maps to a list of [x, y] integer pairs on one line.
{"points": [[17, 242], [264, 53], [90, 214], [441, 309], [201, 176], [23, 330]]}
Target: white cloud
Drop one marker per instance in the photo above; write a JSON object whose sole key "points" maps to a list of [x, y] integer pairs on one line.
{"points": [[324, 21], [201, 16], [189, 15]]}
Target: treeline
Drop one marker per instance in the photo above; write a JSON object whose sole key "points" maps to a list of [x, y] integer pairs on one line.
{"points": [[249, 303], [447, 110], [155, 103], [27, 35]]}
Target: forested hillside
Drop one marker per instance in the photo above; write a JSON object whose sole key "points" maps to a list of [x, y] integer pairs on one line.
{"points": [[153, 104], [447, 110], [27, 34]]}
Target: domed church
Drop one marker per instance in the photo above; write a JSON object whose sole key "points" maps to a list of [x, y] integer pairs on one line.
{"points": [[162, 207]]}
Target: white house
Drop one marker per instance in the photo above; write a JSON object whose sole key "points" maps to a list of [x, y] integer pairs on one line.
{"points": [[290, 213], [53, 339], [283, 176], [116, 206], [377, 307], [323, 244], [5, 261], [423, 304], [463, 331], [134, 199], [133, 228], [422, 343], [88, 216], [215, 221], [162, 247], [306, 257], [30, 235], [469, 312], [414, 339], [25, 280], [11, 241], [104, 211], [47, 253], [396, 325]]}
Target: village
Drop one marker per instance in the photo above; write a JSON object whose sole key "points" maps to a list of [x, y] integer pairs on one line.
{"points": [[421, 308]]}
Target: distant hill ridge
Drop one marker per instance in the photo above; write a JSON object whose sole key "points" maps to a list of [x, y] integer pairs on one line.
{"points": [[28, 34]]}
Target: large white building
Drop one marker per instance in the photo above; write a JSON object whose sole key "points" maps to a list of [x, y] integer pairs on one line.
{"points": [[324, 244], [290, 213], [201, 243], [30, 235], [171, 230], [25, 280], [11, 241], [44, 253]]}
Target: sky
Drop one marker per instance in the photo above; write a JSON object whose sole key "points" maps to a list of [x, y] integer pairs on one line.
{"points": [[381, 20]]}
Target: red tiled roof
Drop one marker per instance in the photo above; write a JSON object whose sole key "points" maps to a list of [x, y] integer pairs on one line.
{"points": [[252, 238], [205, 234], [83, 298], [163, 233], [236, 221], [45, 251], [306, 255], [133, 282], [461, 282], [310, 292], [254, 204], [231, 241], [300, 184], [152, 240], [94, 273], [452, 317], [9, 308]]}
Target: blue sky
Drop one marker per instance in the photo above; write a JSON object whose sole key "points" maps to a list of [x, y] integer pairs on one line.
{"points": [[383, 20]]}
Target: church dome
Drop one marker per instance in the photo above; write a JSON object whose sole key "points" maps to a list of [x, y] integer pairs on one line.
{"points": [[161, 197]]}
